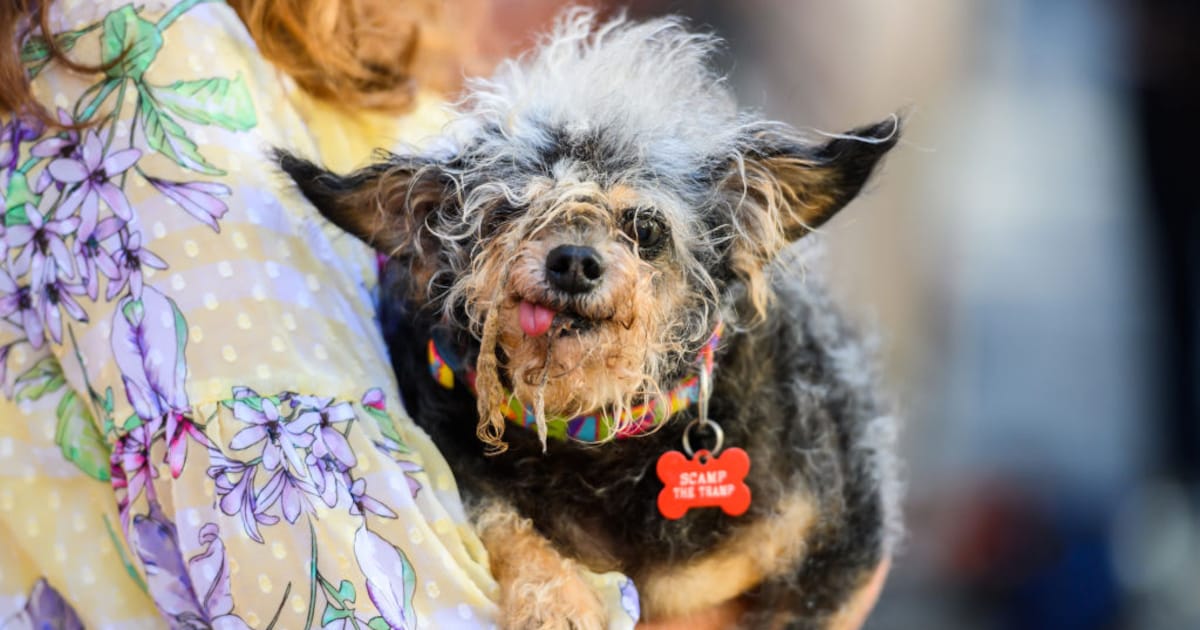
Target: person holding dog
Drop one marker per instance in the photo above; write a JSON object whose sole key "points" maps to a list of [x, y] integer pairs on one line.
{"points": [[198, 421]]}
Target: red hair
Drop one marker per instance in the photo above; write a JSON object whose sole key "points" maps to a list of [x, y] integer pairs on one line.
{"points": [[359, 53]]}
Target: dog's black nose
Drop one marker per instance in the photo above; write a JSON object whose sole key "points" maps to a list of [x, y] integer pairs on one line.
{"points": [[574, 268]]}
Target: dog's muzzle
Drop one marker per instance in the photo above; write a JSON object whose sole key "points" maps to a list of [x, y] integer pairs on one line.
{"points": [[574, 269]]}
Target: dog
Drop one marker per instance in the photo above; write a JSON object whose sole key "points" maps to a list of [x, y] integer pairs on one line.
{"points": [[587, 272]]}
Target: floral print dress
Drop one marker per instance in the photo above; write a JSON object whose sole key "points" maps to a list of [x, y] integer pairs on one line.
{"points": [[198, 422]]}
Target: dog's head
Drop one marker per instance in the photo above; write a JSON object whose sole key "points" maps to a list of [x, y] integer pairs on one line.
{"points": [[593, 210]]}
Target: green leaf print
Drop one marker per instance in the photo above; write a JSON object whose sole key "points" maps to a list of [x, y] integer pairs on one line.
{"points": [[37, 48], [345, 592], [45, 377], [217, 101], [130, 43], [16, 216], [378, 623], [134, 311], [168, 137], [253, 402], [386, 428], [35, 52], [16, 196], [126, 32], [132, 422], [410, 580], [78, 438], [333, 613]]}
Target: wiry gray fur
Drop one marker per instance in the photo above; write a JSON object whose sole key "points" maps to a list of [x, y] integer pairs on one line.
{"points": [[640, 96], [636, 104], [646, 87]]}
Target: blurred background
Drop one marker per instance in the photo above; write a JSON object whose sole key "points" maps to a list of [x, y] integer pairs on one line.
{"points": [[1031, 256]]}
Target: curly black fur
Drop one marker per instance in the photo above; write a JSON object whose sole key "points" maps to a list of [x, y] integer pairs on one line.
{"points": [[790, 392]]}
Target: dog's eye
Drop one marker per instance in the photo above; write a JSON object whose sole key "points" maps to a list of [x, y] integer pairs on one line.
{"points": [[646, 230], [498, 216]]}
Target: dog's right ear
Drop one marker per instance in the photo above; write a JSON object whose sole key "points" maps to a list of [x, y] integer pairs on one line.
{"points": [[388, 205]]}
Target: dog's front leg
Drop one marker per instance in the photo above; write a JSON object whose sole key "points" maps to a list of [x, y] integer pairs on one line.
{"points": [[539, 588]]}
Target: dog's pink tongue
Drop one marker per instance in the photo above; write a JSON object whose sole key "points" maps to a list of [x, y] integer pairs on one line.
{"points": [[535, 319]]}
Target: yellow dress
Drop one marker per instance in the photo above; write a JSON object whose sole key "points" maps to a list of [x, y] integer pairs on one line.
{"points": [[199, 426]]}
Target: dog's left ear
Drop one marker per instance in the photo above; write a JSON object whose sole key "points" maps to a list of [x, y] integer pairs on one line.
{"points": [[391, 205], [801, 185], [387, 204]]}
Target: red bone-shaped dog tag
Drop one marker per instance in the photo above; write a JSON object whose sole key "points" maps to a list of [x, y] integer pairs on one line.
{"points": [[704, 481]]}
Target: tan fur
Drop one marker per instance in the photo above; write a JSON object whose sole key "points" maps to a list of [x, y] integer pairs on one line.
{"points": [[610, 367], [621, 197], [760, 550], [539, 589], [778, 200], [489, 390], [584, 372]]}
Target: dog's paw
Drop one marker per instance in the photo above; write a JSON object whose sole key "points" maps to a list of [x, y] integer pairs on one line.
{"points": [[539, 588], [558, 600]]}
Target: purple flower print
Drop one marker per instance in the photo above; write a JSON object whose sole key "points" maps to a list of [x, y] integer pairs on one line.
{"points": [[391, 580], [148, 340], [210, 572], [375, 399], [241, 392], [17, 304], [361, 502], [44, 181], [130, 257], [131, 468], [282, 438], [172, 584], [15, 132], [222, 471], [64, 144], [328, 477], [155, 540], [42, 242], [93, 258], [8, 153], [4, 354], [630, 601], [288, 491], [374, 403], [395, 451], [199, 199], [45, 608], [90, 173], [409, 469], [328, 440], [237, 497], [179, 427], [55, 294]]}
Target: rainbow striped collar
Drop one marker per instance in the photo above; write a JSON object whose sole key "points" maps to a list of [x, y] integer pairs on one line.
{"points": [[592, 427]]}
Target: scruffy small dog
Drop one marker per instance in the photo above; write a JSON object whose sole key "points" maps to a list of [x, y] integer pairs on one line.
{"points": [[564, 259]]}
